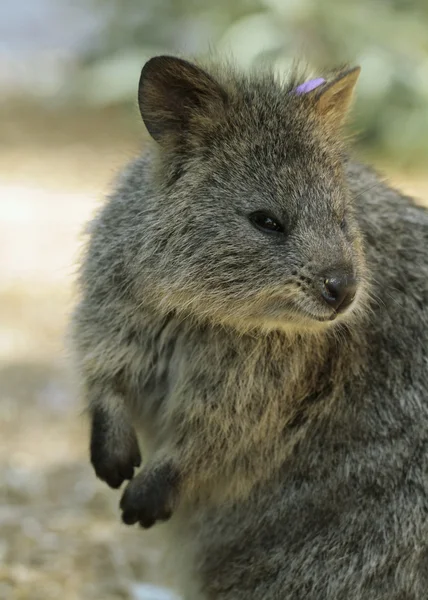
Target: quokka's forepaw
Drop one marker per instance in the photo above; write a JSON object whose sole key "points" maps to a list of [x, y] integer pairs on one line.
{"points": [[151, 496], [117, 467], [114, 453]]}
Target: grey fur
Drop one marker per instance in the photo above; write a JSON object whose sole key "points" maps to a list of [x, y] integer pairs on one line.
{"points": [[292, 453]]}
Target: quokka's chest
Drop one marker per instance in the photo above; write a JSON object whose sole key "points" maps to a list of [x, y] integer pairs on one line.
{"points": [[239, 405]]}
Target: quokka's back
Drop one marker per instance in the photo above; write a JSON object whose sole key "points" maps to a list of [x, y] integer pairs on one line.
{"points": [[254, 312]]}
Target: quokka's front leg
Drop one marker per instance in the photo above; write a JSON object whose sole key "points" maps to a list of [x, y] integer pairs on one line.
{"points": [[171, 473], [114, 449], [185, 464]]}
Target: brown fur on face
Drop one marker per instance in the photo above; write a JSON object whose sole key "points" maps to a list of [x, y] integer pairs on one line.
{"points": [[287, 448]]}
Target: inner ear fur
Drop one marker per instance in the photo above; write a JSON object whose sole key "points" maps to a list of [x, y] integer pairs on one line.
{"points": [[334, 99]]}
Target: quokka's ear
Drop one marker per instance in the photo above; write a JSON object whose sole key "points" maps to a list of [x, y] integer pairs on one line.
{"points": [[172, 91], [334, 98]]}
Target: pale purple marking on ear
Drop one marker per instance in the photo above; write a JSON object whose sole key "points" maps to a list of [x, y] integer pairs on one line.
{"points": [[308, 86]]}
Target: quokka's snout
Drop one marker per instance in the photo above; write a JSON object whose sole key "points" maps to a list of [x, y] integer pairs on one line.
{"points": [[338, 290]]}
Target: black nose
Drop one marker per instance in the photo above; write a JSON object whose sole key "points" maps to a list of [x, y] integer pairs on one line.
{"points": [[339, 291]]}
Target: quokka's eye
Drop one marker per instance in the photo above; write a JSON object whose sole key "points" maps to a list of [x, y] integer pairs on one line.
{"points": [[265, 222], [343, 224]]}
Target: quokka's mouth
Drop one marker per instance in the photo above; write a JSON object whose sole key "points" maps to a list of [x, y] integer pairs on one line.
{"points": [[293, 312], [305, 310], [323, 317]]}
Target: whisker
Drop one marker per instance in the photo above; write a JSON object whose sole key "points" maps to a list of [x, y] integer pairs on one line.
{"points": [[367, 190]]}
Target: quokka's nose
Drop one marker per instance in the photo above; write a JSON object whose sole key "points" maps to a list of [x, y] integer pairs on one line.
{"points": [[339, 290]]}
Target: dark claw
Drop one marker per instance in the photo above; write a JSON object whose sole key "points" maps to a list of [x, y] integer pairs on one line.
{"points": [[113, 479], [129, 517], [147, 523]]}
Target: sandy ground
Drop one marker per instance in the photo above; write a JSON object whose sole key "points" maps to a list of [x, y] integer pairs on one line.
{"points": [[60, 535]]}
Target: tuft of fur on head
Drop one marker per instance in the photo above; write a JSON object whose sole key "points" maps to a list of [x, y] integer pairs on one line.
{"points": [[227, 145]]}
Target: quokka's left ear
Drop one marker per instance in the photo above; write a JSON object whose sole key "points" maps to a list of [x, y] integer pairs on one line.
{"points": [[334, 98]]}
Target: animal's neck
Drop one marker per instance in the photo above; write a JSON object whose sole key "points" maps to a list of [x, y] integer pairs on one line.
{"points": [[302, 364]]}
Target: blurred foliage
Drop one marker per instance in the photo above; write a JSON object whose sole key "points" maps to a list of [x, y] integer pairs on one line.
{"points": [[387, 37]]}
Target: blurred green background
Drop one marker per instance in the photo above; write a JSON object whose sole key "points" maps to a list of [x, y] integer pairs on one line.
{"points": [[89, 52], [68, 121]]}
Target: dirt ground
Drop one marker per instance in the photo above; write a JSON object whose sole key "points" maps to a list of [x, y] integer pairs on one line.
{"points": [[60, 534]]}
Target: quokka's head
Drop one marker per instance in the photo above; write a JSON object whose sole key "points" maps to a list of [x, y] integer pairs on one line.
{"points": [[252, 223]]}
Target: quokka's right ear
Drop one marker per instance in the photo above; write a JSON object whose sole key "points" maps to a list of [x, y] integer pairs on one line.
{"points": [[172, 92]]}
